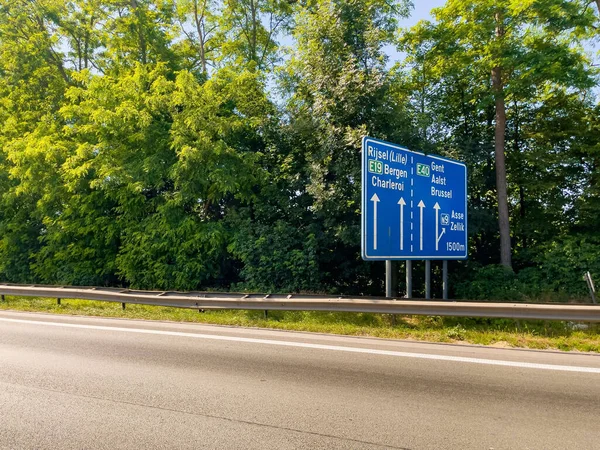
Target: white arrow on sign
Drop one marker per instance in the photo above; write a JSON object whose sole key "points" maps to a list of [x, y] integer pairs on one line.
{"points": [[437, 208], [375, 200], [402, 203], [439, 237], [421, 206]]}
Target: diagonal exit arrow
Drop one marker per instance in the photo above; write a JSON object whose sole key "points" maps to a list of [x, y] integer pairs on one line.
{"points": [[437, 213], [375, 200], [438, 236], [421, 206], [402, 204]]}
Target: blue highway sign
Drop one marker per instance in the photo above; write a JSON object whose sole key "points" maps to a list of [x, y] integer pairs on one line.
{"points": [[414, 206]]}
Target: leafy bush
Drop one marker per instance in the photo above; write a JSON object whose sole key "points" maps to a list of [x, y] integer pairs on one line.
{"points": [[558, 275], [566, 260], [493, 282], [276, 257]]}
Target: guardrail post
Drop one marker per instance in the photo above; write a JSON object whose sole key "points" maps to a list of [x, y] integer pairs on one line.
{"points": [[58, 301], [591, 287], [266, 311], [3, 299], [123, 306], [427, 279]]}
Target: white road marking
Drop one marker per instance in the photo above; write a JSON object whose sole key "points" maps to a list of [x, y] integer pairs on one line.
{"points": [[337, 348]]}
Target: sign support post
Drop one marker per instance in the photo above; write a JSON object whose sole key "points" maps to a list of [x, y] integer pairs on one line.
{"points": [[408, 278], [389, 278], [445, 279], [427, 279]]}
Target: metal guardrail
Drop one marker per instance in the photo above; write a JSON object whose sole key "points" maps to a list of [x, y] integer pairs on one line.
{"points": [[280, 302]]}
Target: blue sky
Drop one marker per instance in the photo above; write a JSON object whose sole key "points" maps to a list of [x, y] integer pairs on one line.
{"points": [[420, 11]]}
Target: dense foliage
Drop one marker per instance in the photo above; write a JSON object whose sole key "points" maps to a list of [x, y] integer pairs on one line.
{"points": [[181, 145]]}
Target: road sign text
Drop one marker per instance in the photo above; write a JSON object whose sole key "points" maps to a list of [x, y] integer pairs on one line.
{"points": [[413, 205]]}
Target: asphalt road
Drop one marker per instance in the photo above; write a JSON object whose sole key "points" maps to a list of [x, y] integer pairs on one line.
{"points": [[74, 382]]}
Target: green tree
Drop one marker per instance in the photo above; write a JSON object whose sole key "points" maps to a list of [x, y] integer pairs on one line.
{"points": [[176, 145], [520, 46], [338, 89], [79, 22], [199, 23], [249, 29], [137, 32], [33, 80]]}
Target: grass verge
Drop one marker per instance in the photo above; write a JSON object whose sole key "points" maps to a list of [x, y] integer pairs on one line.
{"points": [[494, 332]]}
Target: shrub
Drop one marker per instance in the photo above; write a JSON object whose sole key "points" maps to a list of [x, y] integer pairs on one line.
{"points": [[493, 282]]}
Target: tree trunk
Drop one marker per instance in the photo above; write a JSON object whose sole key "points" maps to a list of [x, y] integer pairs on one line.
{"points": [[254, 34], [140, 29], [522, 213], [199, 19], [503, 221]]}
